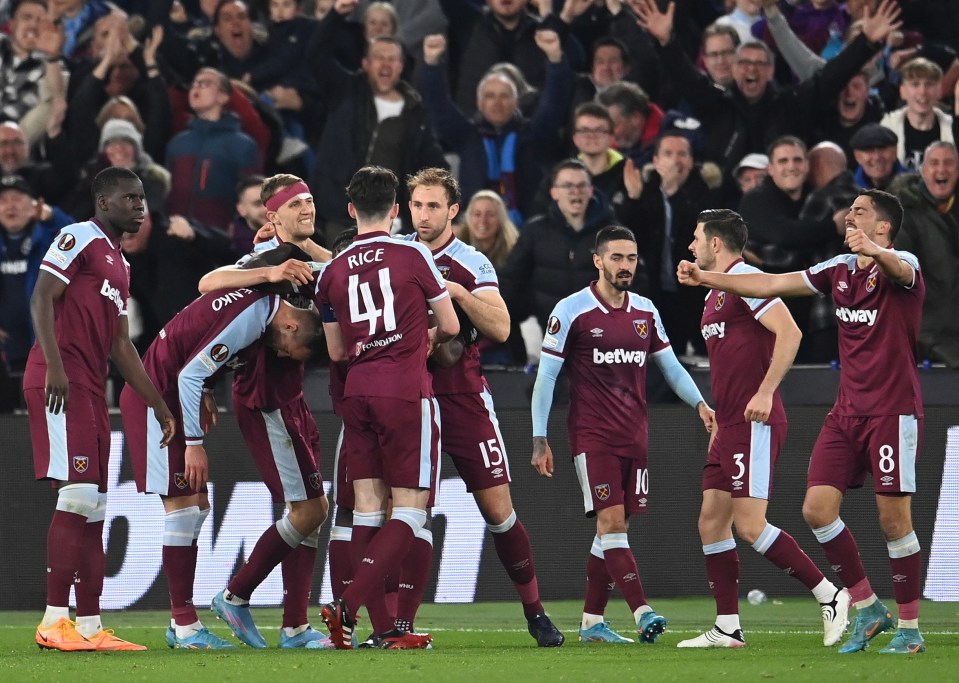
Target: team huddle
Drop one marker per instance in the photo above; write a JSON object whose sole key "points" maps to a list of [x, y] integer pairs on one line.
{"points": [[399, 318]]}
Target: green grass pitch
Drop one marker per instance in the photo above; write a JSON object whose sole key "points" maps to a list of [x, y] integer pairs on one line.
{"points": [[488, 642]]}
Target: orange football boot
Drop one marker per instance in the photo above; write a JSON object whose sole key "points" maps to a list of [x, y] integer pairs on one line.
{"points": [[63, 636], [105, 641]]}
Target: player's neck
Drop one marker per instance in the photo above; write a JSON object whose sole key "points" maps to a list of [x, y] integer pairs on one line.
{"points": [[440, 240], [612, 296], [723, 262]]}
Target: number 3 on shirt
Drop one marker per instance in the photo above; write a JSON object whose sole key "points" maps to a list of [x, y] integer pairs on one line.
{"points": [[370, 312]]}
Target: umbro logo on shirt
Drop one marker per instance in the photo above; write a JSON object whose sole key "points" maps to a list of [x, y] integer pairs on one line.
{"points": [[596, 332]]}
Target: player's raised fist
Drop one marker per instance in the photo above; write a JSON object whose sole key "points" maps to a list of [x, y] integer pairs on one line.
{"points": [[688, 273]]}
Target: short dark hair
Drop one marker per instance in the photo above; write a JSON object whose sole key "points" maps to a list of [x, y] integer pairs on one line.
{"points": [[594, 109], [629, 97], [672, 133], [107, 179], [610, 233], [610, 41], [436, 177], [784, 141], [888, 208], [372, 191], [254, 180], [727, 225], [343, 240], [568, 164]]}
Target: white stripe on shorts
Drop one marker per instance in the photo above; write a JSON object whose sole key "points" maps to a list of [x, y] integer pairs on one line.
{"points": [[158, 460], [491, 415], [579, 462], [760, 444], [429, 417], [58, 465], [336, 464], [284, 456], [908, 445]]}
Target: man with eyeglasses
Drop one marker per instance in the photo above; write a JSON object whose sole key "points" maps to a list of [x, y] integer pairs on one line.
{"points": [[51, 179], [754, 111], [554, 254], [719, 51]]}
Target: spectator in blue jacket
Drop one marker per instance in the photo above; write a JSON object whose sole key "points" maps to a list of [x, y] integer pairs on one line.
{"points": [[209, 158], [498, 149], [28, 228]]}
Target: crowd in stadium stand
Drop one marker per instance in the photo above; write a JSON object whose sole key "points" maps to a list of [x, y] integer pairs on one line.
{"points": [[558, 117]]}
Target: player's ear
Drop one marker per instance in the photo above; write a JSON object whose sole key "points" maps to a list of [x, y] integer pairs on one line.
{"points": [[350, 209], [453, 212]]}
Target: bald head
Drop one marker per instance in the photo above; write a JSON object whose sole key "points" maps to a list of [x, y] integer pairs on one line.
{"points": [[826, 161]]}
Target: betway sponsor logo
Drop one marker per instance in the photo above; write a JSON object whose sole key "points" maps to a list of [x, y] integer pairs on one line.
{"points": [[857, 315], [618, 357], [714, 330], [112, 293]]}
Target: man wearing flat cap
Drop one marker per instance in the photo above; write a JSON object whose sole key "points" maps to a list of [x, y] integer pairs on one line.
{"points": [[874, 147]]}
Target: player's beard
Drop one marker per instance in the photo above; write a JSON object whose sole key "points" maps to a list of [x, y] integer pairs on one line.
{"points": [[614, 280]]}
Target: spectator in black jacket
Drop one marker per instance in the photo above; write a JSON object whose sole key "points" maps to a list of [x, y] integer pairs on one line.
{"points": [[664, 218], [753, 111], [553, 256], [505, 31], [375, 118]]}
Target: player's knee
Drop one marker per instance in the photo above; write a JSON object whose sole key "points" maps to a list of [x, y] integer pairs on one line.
{"points": [[413, 517], [179, 526], [749, 530], [894, 524], [308, 515], [79, 499], [816, 514]]}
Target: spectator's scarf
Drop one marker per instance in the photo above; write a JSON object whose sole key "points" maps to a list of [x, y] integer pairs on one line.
{"points": [[501, 172]]}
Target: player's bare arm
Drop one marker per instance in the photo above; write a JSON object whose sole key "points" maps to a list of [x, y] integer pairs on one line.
{"points": [[125, 357], [334, 342], [447, 324], [486, 310], [759, 285], [889, 263], [231, 277], [542, 460], [778, 321], [448, 354], [47, 290]]}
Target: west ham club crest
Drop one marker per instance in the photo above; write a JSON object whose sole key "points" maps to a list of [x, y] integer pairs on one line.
{"points": [[642, 328]]}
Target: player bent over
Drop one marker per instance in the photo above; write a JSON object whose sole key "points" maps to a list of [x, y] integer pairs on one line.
{"points": [[79, 312], [875, 426], [272, 413], [605, 335], [214, 333], [751, 345]]}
